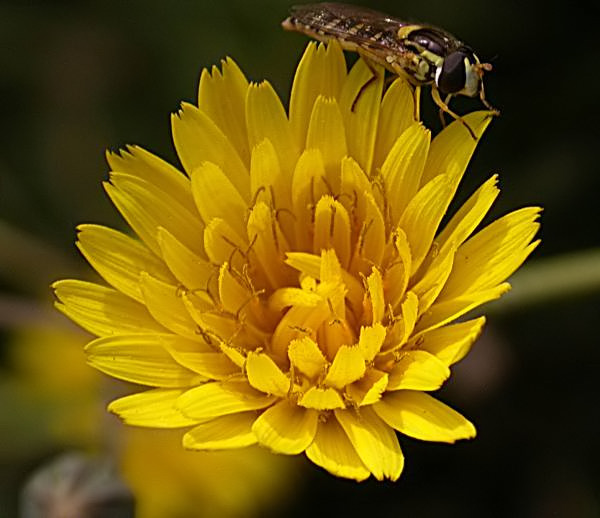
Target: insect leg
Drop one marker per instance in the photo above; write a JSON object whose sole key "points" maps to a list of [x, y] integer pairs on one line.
{"points": [[417, 94], [372, 79], [435, 94], [441, 111]]}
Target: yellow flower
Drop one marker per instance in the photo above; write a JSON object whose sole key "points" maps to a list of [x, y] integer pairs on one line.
{"points": [[295, 289]]}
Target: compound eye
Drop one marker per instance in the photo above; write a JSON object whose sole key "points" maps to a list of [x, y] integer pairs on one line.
{"points": [[453, 75]]}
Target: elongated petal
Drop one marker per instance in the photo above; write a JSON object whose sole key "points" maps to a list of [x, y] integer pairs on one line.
{"points": [[397, 114], [103, 311], [453, 147], [361, 110], [464, 222], [322, 399], [369, 388], [154, 408], [167, 307], [222, 433], [265, 375], [217, 197], [333, 451], [139, 359], [222, 95], [445, 312], [306, 357], [451, 343], [403, 167], [422, 217], [286, 428], [348, 366], [136, 161], [321, 72], [374, 441], [220, 398], [332, 229], [326, 131], [120, 259], [266, 118], [423, 417], [198, 139], [418, 370], [492, 255], [145, 207], [189, 268]]}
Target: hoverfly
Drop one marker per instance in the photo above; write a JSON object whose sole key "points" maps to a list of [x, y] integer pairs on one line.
{"points": [[423, 54]]}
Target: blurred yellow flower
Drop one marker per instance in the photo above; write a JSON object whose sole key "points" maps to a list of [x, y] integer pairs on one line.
{"points": [[295, 289], [64, 405]]}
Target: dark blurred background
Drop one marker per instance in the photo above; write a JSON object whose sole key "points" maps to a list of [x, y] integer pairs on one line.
{"points": [[77, 78]]}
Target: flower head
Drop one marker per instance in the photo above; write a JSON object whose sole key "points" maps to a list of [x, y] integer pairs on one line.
{"points": [[294, 289]]}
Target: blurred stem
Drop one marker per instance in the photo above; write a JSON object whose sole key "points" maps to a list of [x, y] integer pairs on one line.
{"points": [[549, 280]]}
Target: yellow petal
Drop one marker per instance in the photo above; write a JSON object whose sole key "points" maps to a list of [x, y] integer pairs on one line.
{"points": [[451, 343], [190, 269], [212, 365], [376, 295], [138, 162], [308, 185], [322, 399], [139, 359], [493, 254], [464, 222], [444, 312], [370, 341], [423, 214], [332, 450], [232, 294], [403, 327], [270, 245], [326, 132], [347, 366], [322, 71], [418, 370], [222, 96], [423, 417], [165, 304], [286, 428], [403, 167], [306, 357], [397, 114], [332, 229], [264, 375], [361, 123], [369, 388], [268, 184], [220, 398], [432, 279], [222, 433], [397, 275], [370, 247], [103, 311], [221, 241], [217, 197], [153, 408], [266, 118], [198, 139], [119, 259], [452, 148], [145, 207], [374, 441]]}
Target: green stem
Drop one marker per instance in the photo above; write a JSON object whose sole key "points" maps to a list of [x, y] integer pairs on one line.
{"points": [[548, 280]]}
